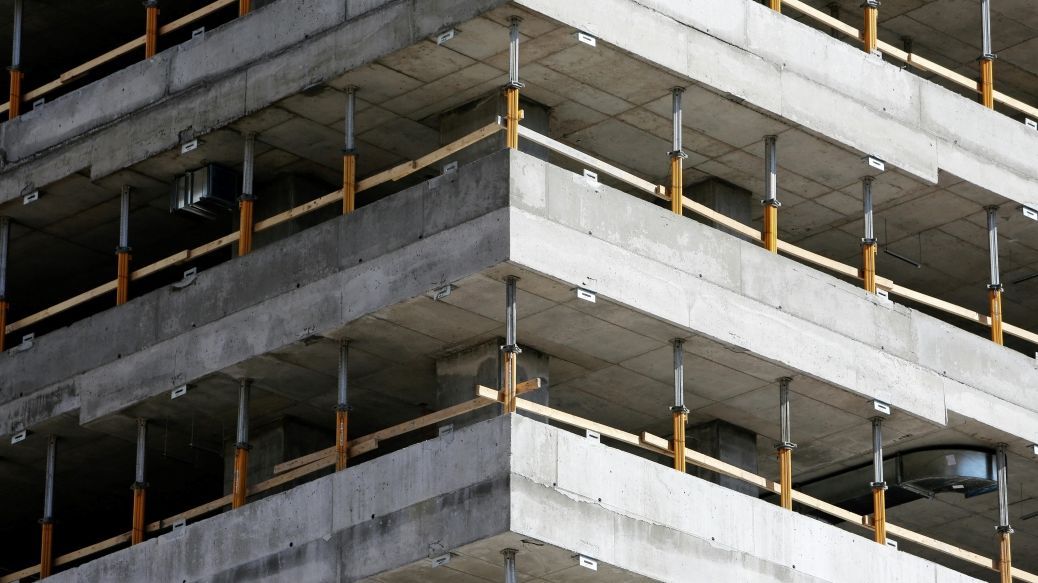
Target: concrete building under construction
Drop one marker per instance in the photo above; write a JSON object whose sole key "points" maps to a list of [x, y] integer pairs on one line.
{"points": [[393, 291]]}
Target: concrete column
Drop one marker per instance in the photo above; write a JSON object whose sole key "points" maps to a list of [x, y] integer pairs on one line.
{"points": [[458, 374], [725, 198], [729, 443], [468, 118]]}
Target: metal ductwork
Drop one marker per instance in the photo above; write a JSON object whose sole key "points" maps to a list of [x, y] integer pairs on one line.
{"points": [[911, 475]]}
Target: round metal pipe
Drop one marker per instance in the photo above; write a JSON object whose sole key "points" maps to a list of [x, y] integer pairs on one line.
{"points": [[985, 25], [679, 373], [676, 145], [513, 52], [510, 575], [784, 416], [124, 218], [770, 169], [877, 451], [243, 412], [16, 36], [993, 246], [344, 346], [250, 158], [1001, 470], [142, 443], [351, 112], [48, 488], [866, 203], [510, 310], [5, 236]]}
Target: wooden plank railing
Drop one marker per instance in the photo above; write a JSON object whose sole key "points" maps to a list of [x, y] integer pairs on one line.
{"points": [[308, 464], [912, 59], [789, 249], [393, 174], [124, 49]]}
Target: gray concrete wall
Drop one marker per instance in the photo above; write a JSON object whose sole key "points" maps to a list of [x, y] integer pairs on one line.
{"points": [[648, 519], [344, 527], [684, 273], [510, 474], [787, 69], [211, 81], [314, 281]]}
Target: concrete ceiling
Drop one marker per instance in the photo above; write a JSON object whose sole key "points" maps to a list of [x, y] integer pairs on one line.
{"points": [[948, 32]]}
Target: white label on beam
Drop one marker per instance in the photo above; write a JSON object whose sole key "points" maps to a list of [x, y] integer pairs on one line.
{"points": [[1031, 123], [881, 407], [591, 176], [876, 163], [587, 563], [586, 38], [178, 392], [445, 36], [891, 543], [188, 146], [197, 32], [440, 560], [1030, 213], [19, 437], [586, 295], [31, 197], [593, 435]]}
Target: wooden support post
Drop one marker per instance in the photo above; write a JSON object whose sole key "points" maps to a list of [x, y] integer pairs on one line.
{"points": [[1005, 557], [15, 103], [769, 234], [46, 548], [139, 486], [995, 285], [677, 155], [987, 58], [879, 509], [342, 409], [679, 411], [349, 156], [776, 5], [122, 286], [987, 82], [868, 242], [244, 7], [511, 349], [246, 221], [47, 522], [239, 483], [3, 324], [869, 34], [785, 447], [151, 28], [513, 87]]}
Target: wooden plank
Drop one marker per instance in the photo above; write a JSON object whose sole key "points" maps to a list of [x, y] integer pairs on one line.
{"points": [[1020, 332], [662, 446], [58, 308], [574, 421], [95, 62], [1024, 575], [934, 544], [189, 514], [830, 509], [17, 575], [291, 475], [407, 168], [92, 549], [577, 155], [161, 264], [320, 202], [527, 386], [196, 15], [816, 259], [940, 304], [370, 441], [42, 90], [721, 219], [1015, 104], [353, 450], [822, 17]]}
